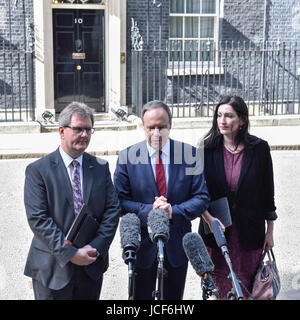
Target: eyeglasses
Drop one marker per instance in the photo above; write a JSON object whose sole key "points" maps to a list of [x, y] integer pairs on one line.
{"points": [[80, 130]]}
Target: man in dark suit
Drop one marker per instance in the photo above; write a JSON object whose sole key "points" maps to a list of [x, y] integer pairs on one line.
{"points": [[166, 174], [56, 186]]}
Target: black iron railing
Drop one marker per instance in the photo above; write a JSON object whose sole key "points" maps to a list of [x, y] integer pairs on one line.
{"points": [[191, 82], [16, 65]]}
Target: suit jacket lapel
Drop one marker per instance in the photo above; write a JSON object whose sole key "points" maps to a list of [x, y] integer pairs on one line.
{"points": [[247, 159], [175, 154], [220, 169], [62, 176], [87, 173]]}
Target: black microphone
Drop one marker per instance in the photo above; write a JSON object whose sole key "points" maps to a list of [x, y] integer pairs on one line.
{"points": [[219, 236], [130, 232], [236, 292], [159, 233], [158, 225], [199, 258], [159, 229]]}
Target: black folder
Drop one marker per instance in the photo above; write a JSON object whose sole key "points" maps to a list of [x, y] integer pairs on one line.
{"points": [[83, 229], [219, 209]]}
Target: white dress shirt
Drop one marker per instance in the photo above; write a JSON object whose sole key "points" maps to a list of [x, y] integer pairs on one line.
{"points": [[68, 163], [165, 157]]}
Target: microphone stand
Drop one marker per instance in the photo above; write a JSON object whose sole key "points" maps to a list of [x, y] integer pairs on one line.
{"points": [[130, 280], [236, 291], [129, 256], [208, 288], [159, 292]]}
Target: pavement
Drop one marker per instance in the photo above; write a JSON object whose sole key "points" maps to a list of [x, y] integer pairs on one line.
{"points": [[281, 132]]}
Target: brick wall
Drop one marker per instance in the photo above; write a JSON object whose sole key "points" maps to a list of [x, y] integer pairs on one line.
{"points": [[284, 20], [156, 16], [12, 21], [244, 20]]}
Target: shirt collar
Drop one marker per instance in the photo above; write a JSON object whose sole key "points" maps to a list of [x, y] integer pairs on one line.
{"points": [[67, 159], [165, 149]]}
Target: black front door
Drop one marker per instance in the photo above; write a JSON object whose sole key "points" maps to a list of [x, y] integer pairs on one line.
{"points": [[78, 41]]}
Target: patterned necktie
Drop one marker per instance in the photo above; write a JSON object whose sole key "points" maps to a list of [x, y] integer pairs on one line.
{"points": [[160, 175], [76, 187]]}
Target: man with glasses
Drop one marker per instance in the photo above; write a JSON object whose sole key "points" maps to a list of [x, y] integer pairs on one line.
{"points": [[56, 187]]}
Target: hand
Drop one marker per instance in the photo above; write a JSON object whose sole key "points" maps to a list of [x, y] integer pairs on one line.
{"points": [[168, 208], [208, 218], [269, 241], [161, 203], [85, 256], [92, 253], [216, 219]]}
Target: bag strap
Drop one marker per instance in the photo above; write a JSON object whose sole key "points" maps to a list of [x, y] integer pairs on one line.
{"points": [[270, 254], [261, 261], [247, 291], [263, 255]]}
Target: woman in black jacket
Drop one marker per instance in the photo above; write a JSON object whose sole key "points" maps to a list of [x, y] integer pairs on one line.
{"points": [[239, 166]]}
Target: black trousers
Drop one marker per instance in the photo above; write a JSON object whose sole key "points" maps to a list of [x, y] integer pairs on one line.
{"points": [[174, 282], [80, 287]]}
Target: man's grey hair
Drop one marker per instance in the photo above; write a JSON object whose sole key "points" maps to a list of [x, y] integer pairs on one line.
{"points": [[155, 104], [78, 108]]}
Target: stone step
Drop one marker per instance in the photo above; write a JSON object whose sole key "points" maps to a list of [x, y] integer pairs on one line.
{"points": [[98, 125], [100, 116]]}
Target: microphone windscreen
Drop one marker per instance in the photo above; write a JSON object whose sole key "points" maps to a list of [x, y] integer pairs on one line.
{"points": [[130, 231], [196, 252], [218, 234], [158, 225]]}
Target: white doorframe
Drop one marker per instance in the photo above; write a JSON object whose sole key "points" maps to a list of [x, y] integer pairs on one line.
{"points": [[115, 43]]}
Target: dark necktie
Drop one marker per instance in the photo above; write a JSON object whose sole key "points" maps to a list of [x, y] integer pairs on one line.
{"points": [[76, 187], [160, 175]]}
